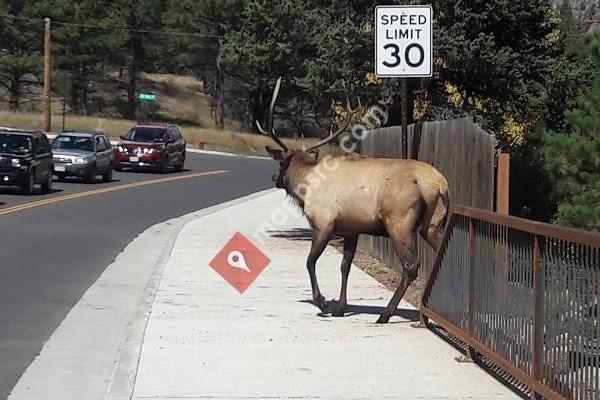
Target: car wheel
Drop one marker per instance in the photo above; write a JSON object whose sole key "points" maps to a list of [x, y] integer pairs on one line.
{"points": [[47, 186], [91, 177], [163, 167], [60, 177], [118, 168], [179, 167], [108, 176], [28, 185]]}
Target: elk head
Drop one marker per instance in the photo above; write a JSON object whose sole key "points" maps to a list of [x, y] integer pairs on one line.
{"points": [[286, 156]]}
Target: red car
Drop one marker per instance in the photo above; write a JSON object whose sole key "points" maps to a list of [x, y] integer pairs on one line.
{"points": [[155, 146]]}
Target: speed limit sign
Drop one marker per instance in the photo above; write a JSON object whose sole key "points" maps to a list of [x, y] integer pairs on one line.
{"points": [[403, 41]]}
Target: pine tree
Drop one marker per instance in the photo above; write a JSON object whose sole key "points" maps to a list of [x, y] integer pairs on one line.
{"points": [[138, 50], [203, 54], [80, 54], [270, 42], [572, 157], [21, 33]]}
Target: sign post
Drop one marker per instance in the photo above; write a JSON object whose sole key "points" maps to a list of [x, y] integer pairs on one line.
{"points": [[404, 49]]}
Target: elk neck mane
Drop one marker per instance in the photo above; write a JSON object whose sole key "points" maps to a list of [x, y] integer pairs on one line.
{"points": [[301, 165]]}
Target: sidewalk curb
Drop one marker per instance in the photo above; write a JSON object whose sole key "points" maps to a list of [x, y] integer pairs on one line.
{"points": [[124, 375], [76, 363], [225, 154]]}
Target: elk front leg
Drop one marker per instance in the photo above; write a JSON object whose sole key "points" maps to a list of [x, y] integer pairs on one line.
{"points": [[349, 250], [319, 242], [404, 239]]}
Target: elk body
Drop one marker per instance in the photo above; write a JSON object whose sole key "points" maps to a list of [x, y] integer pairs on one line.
{"points": [[351, 195]]}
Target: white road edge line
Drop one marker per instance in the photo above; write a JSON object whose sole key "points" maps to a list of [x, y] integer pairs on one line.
{"points": [[192, 150]]}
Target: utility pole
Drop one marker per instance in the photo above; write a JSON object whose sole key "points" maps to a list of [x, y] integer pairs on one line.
{"points": [[47, 77]]}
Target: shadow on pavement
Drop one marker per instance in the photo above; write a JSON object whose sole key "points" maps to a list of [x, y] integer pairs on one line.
{"points": [[292, 234], [37, 192], [81, 181], [354, 309]]}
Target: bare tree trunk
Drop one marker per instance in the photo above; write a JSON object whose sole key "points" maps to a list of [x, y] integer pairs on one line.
{"points": [[257, 108], [84, 89], [15, 93], [131, 89], [219, 81], [137, 56], [75, 89]]}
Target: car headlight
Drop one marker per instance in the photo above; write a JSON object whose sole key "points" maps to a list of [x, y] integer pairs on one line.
{"points": [[79, 161], [15, 162], [151, 151], [121, 149]]}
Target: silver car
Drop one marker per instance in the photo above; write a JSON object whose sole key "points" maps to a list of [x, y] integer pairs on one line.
{"points": [[83, 154]]}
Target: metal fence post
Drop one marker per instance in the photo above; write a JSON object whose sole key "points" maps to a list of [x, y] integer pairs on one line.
{"points": [[538, 318], [471, 306]]}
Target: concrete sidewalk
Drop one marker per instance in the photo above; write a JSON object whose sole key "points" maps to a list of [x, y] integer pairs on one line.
{"points": [[205, 340]]}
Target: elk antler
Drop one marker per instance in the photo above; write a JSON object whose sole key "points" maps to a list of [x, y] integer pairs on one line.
{"points": [[270, 130], [349, 114]]}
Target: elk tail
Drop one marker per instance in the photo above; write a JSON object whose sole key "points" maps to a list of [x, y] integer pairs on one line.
{"points": [[445, 199]]}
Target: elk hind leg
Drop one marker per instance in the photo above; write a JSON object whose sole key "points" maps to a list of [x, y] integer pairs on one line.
{"points": [[349, 251], [404, 239]]}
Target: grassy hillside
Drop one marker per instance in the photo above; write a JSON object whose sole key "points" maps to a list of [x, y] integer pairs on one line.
{"points": [[243, 143], [181, 100]]}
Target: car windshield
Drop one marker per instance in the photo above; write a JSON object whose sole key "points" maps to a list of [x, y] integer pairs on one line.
{"points": [[73, 143], [15, 144], [147, 135]]}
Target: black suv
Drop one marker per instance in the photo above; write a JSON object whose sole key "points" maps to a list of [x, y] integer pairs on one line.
{"points": [[25, 159], [157, 146]]}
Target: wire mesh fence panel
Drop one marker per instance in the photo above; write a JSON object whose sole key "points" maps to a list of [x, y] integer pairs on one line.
{"points": [[525, 295]]}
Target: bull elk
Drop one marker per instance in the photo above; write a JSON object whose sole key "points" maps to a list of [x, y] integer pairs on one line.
{"points": [[350, 195]]}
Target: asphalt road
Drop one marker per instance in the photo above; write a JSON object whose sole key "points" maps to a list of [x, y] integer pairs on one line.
{"points": [[51, 253]]}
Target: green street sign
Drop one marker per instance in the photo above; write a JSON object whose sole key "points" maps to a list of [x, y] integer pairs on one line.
{"points": [[147, 97]]}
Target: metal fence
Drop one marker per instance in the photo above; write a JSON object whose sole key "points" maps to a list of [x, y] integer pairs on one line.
{"points": [[459, 149], [524, 295]]}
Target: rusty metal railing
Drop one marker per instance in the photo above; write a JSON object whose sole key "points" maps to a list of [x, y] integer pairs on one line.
{"points": [[523, 295]]}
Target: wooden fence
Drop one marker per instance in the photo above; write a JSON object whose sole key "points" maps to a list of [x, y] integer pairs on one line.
{"points": [[459, 149]]}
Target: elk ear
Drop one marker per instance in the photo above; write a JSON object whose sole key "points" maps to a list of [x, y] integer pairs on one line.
{"points": [[275, 152]]}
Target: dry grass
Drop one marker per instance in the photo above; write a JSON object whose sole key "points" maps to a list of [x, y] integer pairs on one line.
{"points": [[176, 81], [236, 142]]}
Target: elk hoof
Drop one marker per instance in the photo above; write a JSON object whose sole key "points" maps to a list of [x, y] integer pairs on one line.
{"points": [[319, 301], [339, 312], [383, 319]]}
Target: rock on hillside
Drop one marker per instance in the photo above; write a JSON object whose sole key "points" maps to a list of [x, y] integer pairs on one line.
{"points": [[585, 11]]}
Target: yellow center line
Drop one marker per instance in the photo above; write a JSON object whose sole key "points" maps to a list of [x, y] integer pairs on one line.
{"points": [[58, 199]]}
